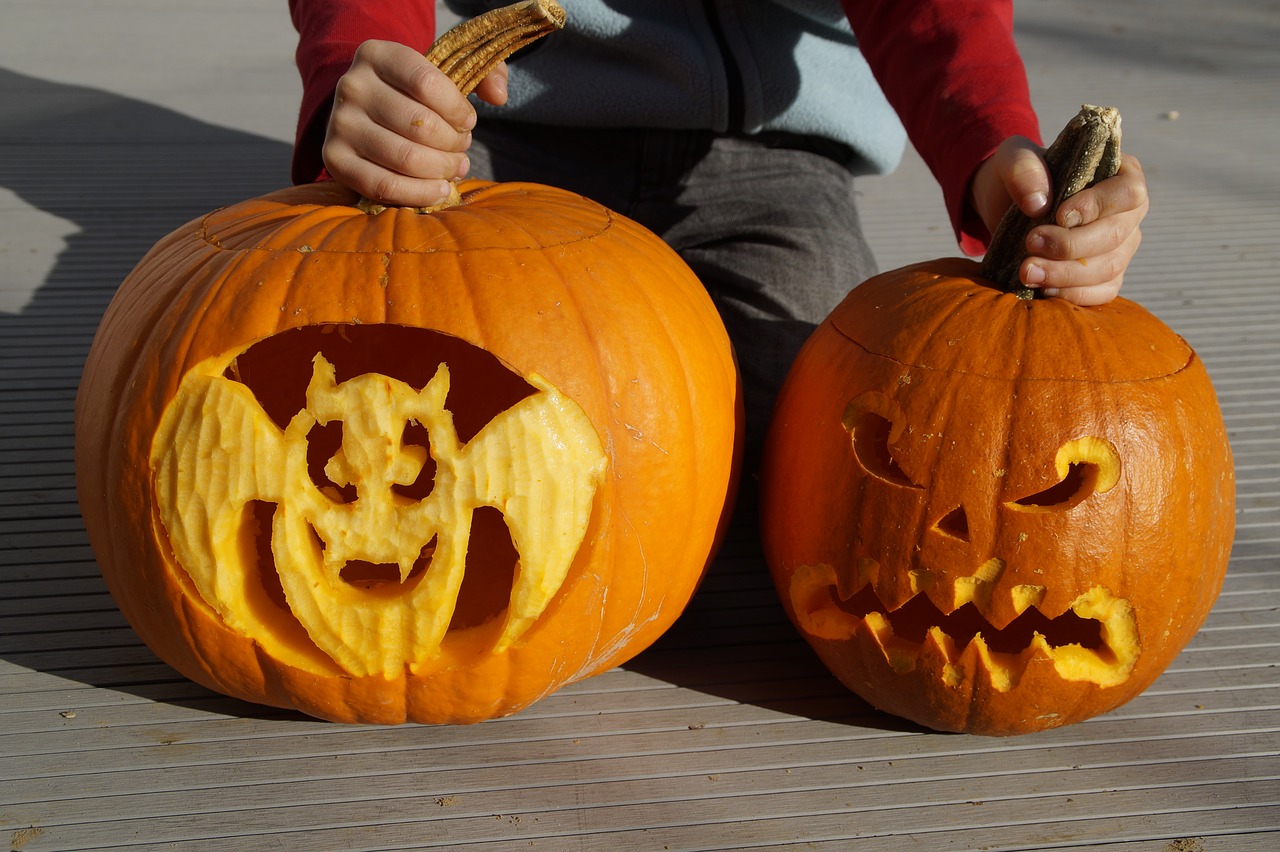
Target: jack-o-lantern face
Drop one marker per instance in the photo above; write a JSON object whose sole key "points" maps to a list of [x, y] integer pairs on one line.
{"points": [[406, 466], [994, 541], [962, 557]]}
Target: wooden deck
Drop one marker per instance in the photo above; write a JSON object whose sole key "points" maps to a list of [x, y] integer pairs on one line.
{"points": [[121, 120]]}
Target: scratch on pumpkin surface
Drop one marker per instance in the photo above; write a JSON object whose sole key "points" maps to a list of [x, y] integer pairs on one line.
{"points": [[623, 639], [634, 625]]}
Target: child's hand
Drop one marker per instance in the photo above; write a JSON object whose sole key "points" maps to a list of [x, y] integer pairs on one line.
{"points": [[399, 127], [1083, 256]]}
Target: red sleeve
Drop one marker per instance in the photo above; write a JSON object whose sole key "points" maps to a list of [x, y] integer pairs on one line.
{"points": [[329, 31], [952, 72]]}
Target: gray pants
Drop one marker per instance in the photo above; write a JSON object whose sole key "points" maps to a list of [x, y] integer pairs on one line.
{"points": [[769, 224]]}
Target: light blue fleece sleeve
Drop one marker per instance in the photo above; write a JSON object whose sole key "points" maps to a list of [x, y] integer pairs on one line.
{"points": [[774, 65]]}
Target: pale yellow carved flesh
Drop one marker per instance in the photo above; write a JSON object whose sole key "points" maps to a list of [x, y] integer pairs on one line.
{"points": [[539, 463]]}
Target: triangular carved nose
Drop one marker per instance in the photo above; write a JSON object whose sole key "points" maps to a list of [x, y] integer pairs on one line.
{"points": [[954, 524]]}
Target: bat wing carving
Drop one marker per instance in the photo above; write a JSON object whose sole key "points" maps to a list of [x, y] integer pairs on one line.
{"points": [[539, 463], [214, 453]]}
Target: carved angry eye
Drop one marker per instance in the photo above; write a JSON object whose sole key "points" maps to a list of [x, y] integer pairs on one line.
{"points": [[874, 422], [1085, 466], [368, 542]]}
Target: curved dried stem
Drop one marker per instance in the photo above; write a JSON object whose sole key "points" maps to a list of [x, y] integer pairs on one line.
{"points": [[1086, 151], [469, 51]]}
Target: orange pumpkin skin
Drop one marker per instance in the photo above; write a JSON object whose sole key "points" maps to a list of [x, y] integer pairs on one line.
{"points": [[545, 282], [912, 459]]}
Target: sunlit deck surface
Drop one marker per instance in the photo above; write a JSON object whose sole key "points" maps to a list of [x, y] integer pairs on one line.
{"points": [[120, 121]]}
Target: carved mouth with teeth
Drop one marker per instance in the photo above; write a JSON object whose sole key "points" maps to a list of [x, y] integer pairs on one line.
{"points": [[1096, 640]]}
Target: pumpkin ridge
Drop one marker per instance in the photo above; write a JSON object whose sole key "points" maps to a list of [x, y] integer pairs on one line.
{"points": [[597, 658], [615, 642], [585, 661], [179, 349]]}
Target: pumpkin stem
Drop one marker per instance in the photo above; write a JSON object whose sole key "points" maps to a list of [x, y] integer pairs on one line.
{"points": [[468, 52], [1086, 151]]}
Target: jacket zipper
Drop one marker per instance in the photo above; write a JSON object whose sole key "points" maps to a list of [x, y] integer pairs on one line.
{"points": [[732, 72]]}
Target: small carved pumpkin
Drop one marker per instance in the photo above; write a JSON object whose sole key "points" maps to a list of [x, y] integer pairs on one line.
{"points": [[990, 514]]}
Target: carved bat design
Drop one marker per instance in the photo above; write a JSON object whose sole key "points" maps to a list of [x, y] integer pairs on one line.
{"points": [[216, 451]]}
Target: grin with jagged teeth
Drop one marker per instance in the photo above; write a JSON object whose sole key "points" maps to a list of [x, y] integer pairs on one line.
{"points": [[825, 612]]}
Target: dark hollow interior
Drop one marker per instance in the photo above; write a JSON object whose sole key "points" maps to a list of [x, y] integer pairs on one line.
{"points": [[913, 620]]}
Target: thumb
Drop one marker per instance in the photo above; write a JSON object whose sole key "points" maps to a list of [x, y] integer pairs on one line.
{"points": [[1025, 177], [493, 88]]}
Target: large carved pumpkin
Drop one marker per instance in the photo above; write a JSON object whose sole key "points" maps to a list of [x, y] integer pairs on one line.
{"points": [[401, 465], [990, 514], [405, 466]]}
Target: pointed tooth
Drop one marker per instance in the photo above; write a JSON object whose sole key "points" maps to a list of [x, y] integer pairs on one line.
{"points": [[865, 573], [921, 580], [1027, 596], [977, 588]]}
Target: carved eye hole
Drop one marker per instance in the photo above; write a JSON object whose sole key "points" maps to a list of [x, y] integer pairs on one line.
{"points": [[1085, 466], [873, 422]]}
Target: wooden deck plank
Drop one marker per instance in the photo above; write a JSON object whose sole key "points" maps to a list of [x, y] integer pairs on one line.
{"points": [[381, 824]]}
